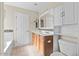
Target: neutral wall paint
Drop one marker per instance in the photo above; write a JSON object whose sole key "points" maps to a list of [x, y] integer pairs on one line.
{"points": [[1, 27], [9, 17], [71, 30]]}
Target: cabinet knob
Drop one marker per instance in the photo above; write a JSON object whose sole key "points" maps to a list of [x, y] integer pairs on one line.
{"points": [[49, 41]]}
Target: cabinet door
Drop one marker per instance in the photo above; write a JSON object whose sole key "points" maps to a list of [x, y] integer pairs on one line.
{"points": [[41, 45], [35, 40], [33, 37], [69, 13], [38, 42], [48, 45], [58, 16]]}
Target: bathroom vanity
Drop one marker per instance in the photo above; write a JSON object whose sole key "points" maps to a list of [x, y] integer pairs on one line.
{"points": [[43, 42]]}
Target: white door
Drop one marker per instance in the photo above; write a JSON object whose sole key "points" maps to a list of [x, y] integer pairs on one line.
{"points": [[22, 32]]}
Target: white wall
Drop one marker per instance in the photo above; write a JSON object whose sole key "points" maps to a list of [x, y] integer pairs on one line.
{"points": [[1, 27], [71, 30], [9, 18]]}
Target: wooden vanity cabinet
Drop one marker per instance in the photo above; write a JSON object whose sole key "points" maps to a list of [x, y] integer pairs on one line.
{"points": [[44, 44]]}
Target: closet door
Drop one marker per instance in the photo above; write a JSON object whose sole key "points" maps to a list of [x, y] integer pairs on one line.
{"points": [[69, 13], [22, 29]]}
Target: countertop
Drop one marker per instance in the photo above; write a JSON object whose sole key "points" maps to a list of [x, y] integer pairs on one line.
{"points": [[43, 32]]}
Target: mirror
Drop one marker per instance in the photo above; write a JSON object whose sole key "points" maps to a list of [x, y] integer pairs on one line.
{"points": [[46, 21]]}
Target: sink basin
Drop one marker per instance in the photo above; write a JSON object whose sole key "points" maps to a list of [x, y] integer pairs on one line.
{"points": [[46, 32]]}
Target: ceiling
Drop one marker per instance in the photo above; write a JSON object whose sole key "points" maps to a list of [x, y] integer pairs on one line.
{"points": [[34, 6]]}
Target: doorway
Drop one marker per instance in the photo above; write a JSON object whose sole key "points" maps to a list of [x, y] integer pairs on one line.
{"points": [[22, 29]]}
